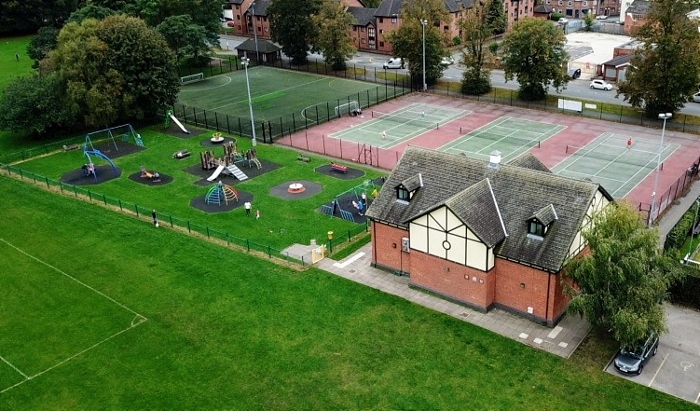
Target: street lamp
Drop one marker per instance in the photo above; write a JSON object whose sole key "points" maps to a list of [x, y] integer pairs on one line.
{"points": [[664, 117], [245, 61], [255, 33], [423, 22]]}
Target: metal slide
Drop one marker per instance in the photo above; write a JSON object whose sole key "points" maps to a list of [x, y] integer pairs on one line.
{"points": [[176, 121]]}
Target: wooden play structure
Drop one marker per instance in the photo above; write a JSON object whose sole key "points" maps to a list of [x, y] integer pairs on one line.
{"points": [[221, 193], [154, 176]]}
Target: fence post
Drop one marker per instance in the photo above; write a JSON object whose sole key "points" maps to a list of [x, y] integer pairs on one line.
{"points": [[189, 229]]}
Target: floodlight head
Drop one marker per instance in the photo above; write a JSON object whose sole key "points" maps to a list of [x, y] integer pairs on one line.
{"points": [[665, 116]]}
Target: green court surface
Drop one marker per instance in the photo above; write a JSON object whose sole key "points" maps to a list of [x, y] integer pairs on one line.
{"points": [[389, 129], [276, 93], [510, 136], [51, 316], [609, 161]]}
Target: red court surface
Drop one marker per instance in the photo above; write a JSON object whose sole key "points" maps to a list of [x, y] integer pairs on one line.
{"points": [[578, 131]]}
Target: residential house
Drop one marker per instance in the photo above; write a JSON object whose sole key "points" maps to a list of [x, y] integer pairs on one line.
{"points": [[483, 234], [578, 9], [635, 16]]}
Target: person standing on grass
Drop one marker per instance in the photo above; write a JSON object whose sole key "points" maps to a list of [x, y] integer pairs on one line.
{"points": [[17, 57], [155, 218], [247, 206], [257, 214]]}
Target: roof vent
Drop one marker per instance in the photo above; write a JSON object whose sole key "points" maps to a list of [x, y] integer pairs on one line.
{"points": [[494, 159]]}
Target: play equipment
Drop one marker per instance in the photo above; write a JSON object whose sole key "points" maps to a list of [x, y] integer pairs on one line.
{"points": [[170, 116], [218, 171], [219, 193], [334, 208], [90, 165], [153, 176], [181, 154], [360, 191], [125, 132], [339, 167]]}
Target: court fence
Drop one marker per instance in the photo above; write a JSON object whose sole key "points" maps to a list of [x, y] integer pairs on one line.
{"points": [[269, 130], [87, 195], [666, 199]]}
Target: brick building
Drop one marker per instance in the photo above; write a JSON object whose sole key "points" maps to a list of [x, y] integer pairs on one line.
{"points": [[483, 234]]}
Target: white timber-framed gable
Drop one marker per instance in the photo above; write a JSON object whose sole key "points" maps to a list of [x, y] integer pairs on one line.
{"points": [[442, 234], [597, 205]]}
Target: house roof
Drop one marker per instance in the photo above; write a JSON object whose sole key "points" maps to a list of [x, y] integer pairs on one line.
{"points": [[639, 7], [454, 6], [619, 60], [260, 7], [388, 8], [543, 8], [264, 46], [495, 203], [363, 15]]}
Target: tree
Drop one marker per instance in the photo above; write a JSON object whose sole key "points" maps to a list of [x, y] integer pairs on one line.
{"points": [[35, 104], [496, 17], [665, 71], [183, 36], [534, 54], [42, 44], [26, 16], [116, 68], [620, 284], [407, 40], [292, 26], [91, 11], [588, 21], [334, 39], [476, 29]]}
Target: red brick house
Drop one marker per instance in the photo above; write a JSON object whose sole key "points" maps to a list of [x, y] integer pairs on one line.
{"points": [[483, 234]]}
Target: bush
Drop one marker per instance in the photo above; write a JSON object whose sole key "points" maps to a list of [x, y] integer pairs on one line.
{"points": [[556, 16], [456, 41]]}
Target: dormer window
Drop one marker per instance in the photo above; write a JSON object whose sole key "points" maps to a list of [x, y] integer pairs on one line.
{"points": [[408, 188], [536, 228], [403, 194]]}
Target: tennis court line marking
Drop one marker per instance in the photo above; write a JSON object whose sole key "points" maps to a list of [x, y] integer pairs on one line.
{"points": [[135, 322]]}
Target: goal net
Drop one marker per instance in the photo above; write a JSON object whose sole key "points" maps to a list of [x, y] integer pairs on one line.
{"points": [[346, 108], [192, 78]]}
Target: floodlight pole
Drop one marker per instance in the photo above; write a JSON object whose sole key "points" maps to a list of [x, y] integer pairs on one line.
{"points": [[664, 117], [423, 22], [255, 34], [245, 60]]}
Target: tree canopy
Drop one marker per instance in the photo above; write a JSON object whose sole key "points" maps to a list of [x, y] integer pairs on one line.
{"points": [[35, 104], [407, 40], [184, 36], [534, 55], [477, 28], [621, 283], [665, 71], [26, 16], [293, 28], [334, 39]]}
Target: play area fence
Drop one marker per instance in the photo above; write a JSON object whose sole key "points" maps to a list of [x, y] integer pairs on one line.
{"points": [[192, 228], [267, 131]]}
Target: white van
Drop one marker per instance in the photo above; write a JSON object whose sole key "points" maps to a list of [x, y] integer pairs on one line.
{"points": [[394, 63]]}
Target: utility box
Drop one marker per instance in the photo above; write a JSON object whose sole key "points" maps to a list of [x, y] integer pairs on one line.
{"points": [[405, 245]]}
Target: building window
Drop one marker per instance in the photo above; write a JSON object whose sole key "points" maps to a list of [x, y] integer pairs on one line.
{"points": [[354, 28], [536, 228], [381, 44], [363, 40], [362, 29], [585, 3], [394, 19], [370, 32], [381, 31], [381, 20], [570, 3], [402, 194]]}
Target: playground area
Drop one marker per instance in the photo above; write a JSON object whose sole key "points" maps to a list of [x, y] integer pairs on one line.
{"points": [[566, 144]]}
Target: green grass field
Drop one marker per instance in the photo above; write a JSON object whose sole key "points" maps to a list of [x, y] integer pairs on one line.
{"points": [[225, 330], [278, 93], [10, 68]]}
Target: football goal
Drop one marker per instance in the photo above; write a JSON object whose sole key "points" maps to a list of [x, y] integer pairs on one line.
{"points": [[347, 108], [192, 78]]}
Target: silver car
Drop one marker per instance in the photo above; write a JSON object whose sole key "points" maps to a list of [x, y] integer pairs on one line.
{"points": [[631, 362]]}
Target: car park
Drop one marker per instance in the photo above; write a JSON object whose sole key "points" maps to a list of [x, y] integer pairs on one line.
{"points": [[394, 63], [601, 85], [631, 361], [447, 60]]}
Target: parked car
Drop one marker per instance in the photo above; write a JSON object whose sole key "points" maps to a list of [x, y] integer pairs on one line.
{"points": [[574, 73], [632, 361], [447, 60], [601, 17], [696, 97], [562, 21], [601, 85], [394, 63]]}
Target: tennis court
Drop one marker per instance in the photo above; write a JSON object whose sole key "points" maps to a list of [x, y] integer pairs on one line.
{"points": [[510, 136], [615, 161], [386, 130], [277, 93]]}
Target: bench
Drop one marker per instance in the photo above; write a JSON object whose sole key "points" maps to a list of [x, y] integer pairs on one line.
{"points": [[304, 159], [339, 167], [181, 154], [71, 147]]}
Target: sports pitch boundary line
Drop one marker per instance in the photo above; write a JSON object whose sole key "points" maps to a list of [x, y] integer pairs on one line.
{"points": [[135, 322]]}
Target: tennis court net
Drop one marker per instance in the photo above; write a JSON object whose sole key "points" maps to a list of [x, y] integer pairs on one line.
{"points": [[407, 118], [637, 158], [510, 140]]}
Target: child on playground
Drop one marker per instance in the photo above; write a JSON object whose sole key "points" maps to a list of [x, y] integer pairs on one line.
{"points": [[257, 214]]}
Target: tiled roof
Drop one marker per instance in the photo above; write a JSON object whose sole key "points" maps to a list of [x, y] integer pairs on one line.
{"points": [[364, 16], [545, 215], [388, 8], [619, 60], [543, 8], [469, 187], [639, 7], [264, 46], [453, 6], [528, 160], [260, 7]]}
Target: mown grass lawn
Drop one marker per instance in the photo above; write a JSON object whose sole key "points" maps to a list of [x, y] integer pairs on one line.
{"points": [[225, 330]]}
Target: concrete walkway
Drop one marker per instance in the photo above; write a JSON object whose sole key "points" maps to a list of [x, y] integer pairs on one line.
{"points": [[561, 340]]}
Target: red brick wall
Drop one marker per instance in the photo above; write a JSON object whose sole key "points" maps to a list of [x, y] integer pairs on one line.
{"points": [[386, 248], [454, 280]]}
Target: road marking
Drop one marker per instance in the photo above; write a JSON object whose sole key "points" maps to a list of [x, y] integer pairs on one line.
{"points": [[686, 365], [349, 260], [553, 334], [657, 371]]}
